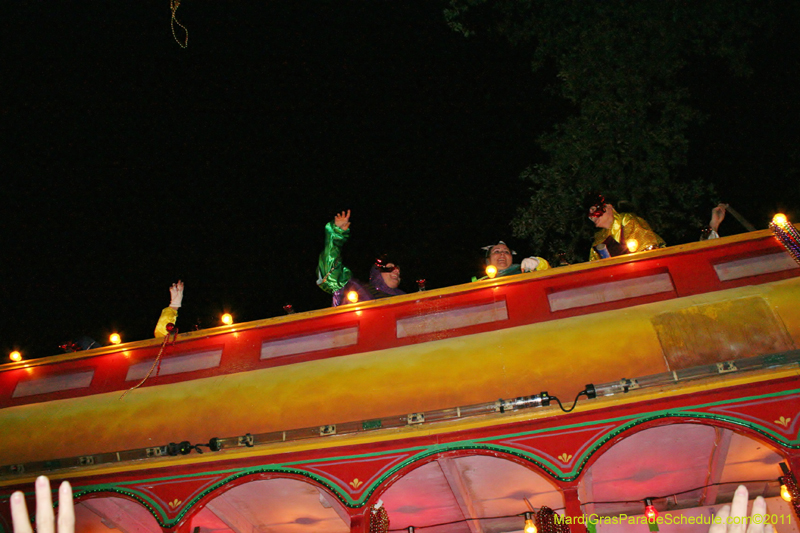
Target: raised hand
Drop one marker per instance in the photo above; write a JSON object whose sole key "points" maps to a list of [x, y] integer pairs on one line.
{"points": [[733, 518], [176, 294], [342, 220], [717, 216], [45, 520]]}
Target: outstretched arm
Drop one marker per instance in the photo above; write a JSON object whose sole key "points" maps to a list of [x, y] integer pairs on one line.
{"points": [[332, 275], [170, 314], [717, 216]]}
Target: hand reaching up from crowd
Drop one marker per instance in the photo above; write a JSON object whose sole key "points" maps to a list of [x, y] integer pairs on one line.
{"points": [[733, 518], [45, 519]]}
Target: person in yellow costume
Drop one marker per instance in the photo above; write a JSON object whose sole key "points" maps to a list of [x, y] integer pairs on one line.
{"points": [[620, 233], [170, 314]]}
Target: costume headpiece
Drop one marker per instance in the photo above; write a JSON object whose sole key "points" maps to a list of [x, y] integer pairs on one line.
{"points": [[382, 262], [488, 249], [593, 199]]}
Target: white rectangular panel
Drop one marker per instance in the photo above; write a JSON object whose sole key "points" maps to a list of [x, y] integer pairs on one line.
{"points": [[753, 266], [453, 319], [314, 342], [177, 365], [610, 292], [78, 380]]}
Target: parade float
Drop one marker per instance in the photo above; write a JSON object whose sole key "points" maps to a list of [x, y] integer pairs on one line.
{"points": [[658, 380]]}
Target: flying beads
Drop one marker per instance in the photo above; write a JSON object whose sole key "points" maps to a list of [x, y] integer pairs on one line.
{"points": [[787, 235]]}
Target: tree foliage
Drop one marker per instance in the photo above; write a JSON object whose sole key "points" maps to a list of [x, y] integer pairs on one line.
{"points": [[619, 64]]}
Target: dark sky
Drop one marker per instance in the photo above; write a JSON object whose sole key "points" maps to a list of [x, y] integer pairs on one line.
{"points": [[130, 162]]}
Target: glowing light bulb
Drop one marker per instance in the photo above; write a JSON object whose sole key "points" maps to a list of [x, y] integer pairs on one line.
{"points": [[227, 319], [632, 245], [779, 219], [15, 356], [114, 338], [491, 271], [785, 494], [650, 511], [352, 297], [530, 526]]}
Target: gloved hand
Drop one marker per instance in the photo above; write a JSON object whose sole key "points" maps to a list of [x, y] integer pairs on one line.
{"points": [[529, 264], [176, 294]]}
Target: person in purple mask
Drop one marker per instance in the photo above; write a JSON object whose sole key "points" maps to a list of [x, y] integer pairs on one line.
{"points": [[335, 278]]}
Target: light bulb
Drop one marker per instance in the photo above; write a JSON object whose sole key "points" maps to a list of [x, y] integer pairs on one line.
{"points": [[779, 219], [227, 319], [114, 338], [632, 245], [15, 356], [491, 271], [785, 494], [352, 297], [650, 511], [530, 526]]}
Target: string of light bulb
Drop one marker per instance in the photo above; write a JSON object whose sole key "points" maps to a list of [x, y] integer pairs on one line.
{"points": [[525, 515]]}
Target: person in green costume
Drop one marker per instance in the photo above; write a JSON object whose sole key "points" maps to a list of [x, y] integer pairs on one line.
{"points": [[335, 278]]}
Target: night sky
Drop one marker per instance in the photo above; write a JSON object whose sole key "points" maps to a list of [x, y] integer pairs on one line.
{"points": [[129, 163]]}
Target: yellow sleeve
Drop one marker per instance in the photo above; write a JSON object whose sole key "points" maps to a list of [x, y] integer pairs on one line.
{"points": [[168, 316], [638, 228], [599, 237], [543, 264]]}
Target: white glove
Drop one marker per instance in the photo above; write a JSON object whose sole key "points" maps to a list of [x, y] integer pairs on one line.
{"points": [[529, 264], [176, 294]]}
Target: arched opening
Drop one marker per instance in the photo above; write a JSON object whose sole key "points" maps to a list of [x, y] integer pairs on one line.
{"points": [[691, 470], [467, 493], [113, 514], [277, 505]]}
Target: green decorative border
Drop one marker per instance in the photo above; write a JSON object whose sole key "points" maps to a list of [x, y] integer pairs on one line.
{"points": [[435, 449]]}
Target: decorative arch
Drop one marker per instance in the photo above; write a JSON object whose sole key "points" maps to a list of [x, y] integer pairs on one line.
{"points": [[466, 483], [376, 469], [251, 475], [265, 501], [564, 451], [691, 463], [454, 453], [107, 510], [603, 444], [165, 498]]}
